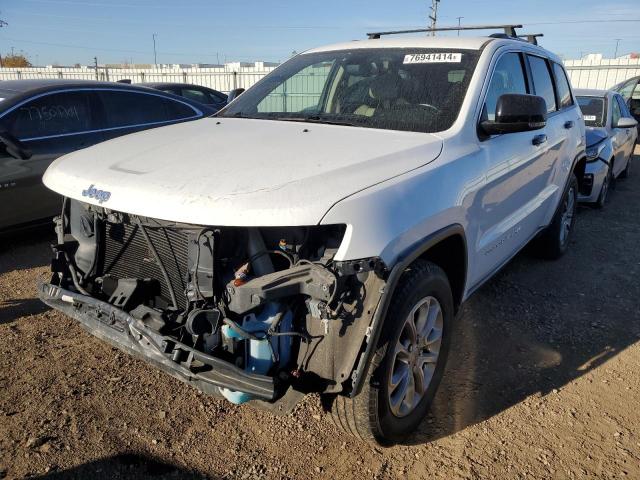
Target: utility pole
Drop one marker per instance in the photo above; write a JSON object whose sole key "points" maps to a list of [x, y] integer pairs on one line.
{"points": [[155, 55], [95, 63], [434, 15], [459, 18], [2, 24], [615, 55]]}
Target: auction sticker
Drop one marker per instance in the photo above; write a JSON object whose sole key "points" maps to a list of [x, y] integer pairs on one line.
{"points": [[589, 118], [433, 58]]}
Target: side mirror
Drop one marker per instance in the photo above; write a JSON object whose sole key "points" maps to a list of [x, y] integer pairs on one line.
{"points": [[516, 112], [14, 147], [233, 94], [626, 122]]}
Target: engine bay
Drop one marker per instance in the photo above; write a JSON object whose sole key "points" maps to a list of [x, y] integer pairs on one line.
{"points": [[269, 301]]}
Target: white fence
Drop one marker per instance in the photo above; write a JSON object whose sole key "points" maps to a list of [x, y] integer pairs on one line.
{"points": [[601, 73], [223, 79]]}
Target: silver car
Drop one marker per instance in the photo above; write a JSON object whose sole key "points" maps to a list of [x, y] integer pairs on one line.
{"points": [[611, 137]]}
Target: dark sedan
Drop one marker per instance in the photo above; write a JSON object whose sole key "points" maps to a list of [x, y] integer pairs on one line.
{"points": [[41, 120], [197, 93]]}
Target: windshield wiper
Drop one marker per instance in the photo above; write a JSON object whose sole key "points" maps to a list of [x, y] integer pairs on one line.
{"points": [[316, 119]]}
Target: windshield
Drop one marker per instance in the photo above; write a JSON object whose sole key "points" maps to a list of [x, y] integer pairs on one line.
{"points": [[418, 90], [593, 111]]}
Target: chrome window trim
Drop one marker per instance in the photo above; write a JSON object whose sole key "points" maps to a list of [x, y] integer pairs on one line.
{"points": [[198, 113]]}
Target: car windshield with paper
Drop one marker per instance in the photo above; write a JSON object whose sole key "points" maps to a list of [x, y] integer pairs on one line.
{"points": [[418, 90]]}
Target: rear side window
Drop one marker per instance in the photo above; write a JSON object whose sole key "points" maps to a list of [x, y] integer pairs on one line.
{"points": [[564, 90], [542, 83], [125, 109], [508, 77], [51, 115]]}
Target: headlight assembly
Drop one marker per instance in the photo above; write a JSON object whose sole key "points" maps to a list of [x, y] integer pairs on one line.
{"points": [[594, 151]]}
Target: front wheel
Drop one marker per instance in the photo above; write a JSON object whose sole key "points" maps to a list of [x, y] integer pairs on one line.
{"points": [[409, 361], [627, 170], [554, 241], [604, 190]]}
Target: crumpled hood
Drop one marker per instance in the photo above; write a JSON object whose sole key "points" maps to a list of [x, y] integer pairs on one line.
{"points": [[242, 172]]}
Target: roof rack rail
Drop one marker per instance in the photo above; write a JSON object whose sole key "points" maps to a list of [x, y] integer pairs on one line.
{"points": [[509, 30], [531, 37]]}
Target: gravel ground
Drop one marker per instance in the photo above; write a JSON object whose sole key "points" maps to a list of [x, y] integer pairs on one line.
{"points": [[542, 382]]}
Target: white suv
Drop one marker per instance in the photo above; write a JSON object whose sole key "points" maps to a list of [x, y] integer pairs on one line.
{"points": [[321, 232]]}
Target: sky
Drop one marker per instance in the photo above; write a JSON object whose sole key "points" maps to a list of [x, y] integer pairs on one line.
{"points": [[66, 32]]}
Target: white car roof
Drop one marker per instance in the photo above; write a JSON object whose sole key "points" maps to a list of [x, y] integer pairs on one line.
{"points": [[463, 43]]}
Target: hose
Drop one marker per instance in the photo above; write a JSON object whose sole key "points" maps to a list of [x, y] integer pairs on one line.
{"points": [[160, 264]]}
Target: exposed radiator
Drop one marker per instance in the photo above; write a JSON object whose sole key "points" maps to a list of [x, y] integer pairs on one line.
{"points": [[127, 255]]}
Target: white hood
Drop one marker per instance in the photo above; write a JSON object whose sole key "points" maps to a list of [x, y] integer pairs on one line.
{"points": [[224, 171]]}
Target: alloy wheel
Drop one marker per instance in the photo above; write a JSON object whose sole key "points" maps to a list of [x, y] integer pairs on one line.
{"points": [[415, 356]]}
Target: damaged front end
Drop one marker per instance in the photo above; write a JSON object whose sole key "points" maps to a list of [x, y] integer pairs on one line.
{"points": [[262, 314]]}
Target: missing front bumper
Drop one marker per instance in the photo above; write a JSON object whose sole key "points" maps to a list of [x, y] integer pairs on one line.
{"points": [[131, 335]]}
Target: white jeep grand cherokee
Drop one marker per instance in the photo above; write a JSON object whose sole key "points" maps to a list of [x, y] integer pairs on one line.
{"points": [[320, 233]]}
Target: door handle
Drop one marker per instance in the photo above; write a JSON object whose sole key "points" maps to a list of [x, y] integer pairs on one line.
{"points": [[568, 124], [539, 139]]}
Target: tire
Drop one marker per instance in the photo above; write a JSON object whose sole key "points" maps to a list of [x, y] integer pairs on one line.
{"points": [[604, 190], [627, 170], [554, 241], [375, 414]]}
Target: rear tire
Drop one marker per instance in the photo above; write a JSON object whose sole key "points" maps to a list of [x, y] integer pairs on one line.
{"points": [[409, 361], [554, 241]]}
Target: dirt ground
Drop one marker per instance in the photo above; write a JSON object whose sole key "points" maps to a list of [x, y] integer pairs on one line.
{"points": [[542, 382]]}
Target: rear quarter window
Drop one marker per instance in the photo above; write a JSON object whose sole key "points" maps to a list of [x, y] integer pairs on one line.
{"points": [[562, 84]]}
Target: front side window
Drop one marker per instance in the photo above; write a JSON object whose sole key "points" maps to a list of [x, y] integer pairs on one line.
{"points": [[542, 82], [508, 77], [593, 111], [623, 106], [50, 115], [564, 90], [126, 109], [616, 113], [418, 90]]}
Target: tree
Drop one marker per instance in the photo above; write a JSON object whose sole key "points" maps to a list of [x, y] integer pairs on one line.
{"points": [[15, 61]]}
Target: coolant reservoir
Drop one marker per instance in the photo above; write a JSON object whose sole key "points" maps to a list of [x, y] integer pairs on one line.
{"points": [[259, 355]]}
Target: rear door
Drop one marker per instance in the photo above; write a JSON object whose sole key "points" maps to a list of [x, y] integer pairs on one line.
{"points": [[50, 125], [128, 111]]}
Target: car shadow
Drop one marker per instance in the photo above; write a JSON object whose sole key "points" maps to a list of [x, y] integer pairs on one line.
{"points": [[25, 249], [15, 308], [539, 325], [125, 466]]}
